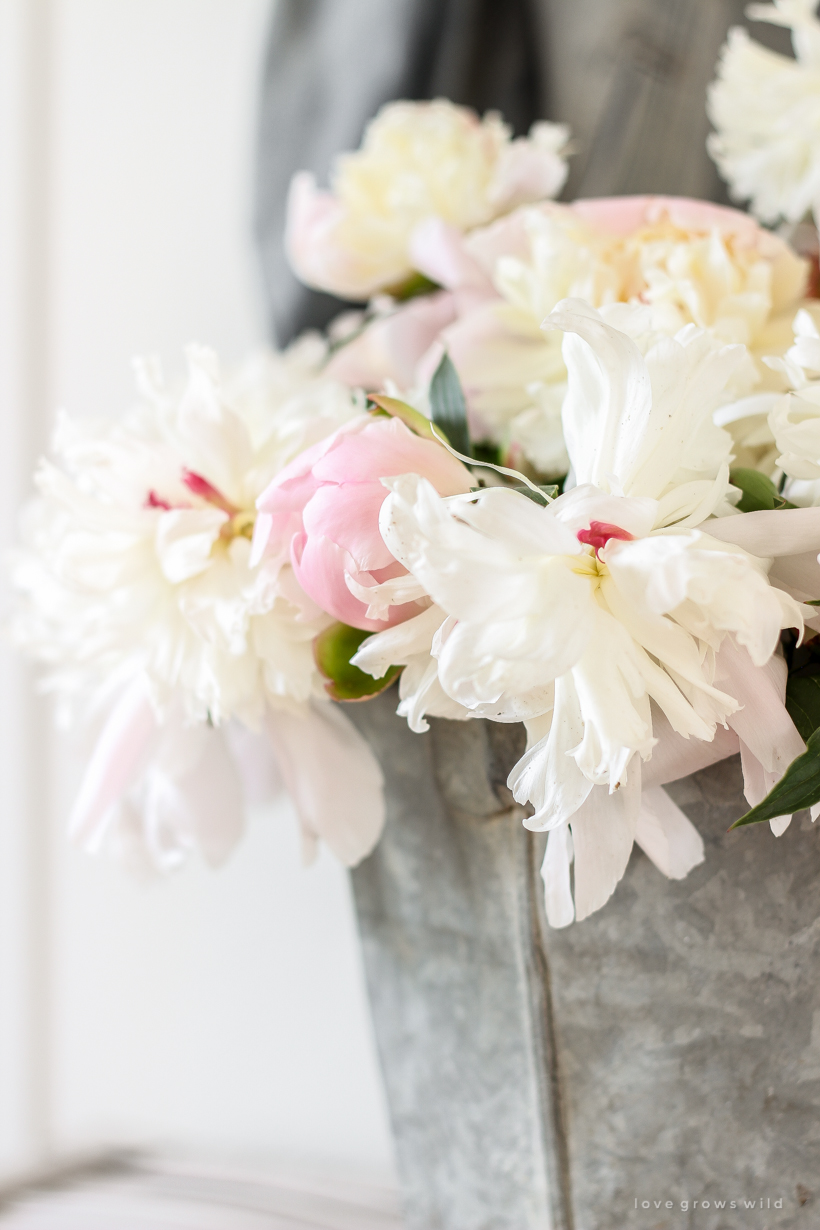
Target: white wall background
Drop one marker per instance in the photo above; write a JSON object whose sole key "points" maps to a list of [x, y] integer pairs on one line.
{"points": [[218, 1011]]}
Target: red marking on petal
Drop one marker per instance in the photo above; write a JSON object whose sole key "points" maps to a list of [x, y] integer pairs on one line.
{"points": [[207, 491], [155, 501], [600, 532]]}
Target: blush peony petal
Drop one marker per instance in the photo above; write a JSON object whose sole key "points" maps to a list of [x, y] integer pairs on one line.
{"points": [[384, 448], [675, 756], [311, 241], [390, 348], [438, 250], [621, 215], [531, 169], [321, 568], [193, 798], [764, 723], [332, 776], [346, 515], [120, 755], [667, 836]]}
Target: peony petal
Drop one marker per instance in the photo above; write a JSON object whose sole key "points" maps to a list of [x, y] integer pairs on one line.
{"points": [[348, 516], [384, 448], [667, 836], [763, 723], [398, 645], [603, 830], [185, 539], [785, 531], [390, 348], [555, 874], [609, 397], [321, 567], [546, 775], [438, 251], [193, 799], [120, 755], [332, 776], [674, 756]]}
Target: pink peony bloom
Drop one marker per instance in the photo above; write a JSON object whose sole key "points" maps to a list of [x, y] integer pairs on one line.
{"points": [[323, 512]]}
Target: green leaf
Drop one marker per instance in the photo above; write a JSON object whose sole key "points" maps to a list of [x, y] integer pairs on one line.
{"points": [[448, 407], [803, 703], [486, 450], [400, 410], [759, 492], [332, 651], [413, 286], [798, 788], [548, 492]]}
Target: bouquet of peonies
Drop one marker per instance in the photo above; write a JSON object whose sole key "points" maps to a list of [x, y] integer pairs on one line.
{"points": [[560, 467]]}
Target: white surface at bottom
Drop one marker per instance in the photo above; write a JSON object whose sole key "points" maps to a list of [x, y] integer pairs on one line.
{"points": [[156, 1195]]}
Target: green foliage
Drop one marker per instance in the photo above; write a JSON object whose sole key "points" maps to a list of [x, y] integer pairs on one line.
{"points": [[416, 284], [448, 407], [488, 452], [759, 492], [798, 788], [548, 492], [332, 651], [803, 703]]}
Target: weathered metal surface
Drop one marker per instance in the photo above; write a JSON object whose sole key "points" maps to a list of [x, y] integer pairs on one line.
{"points": [[689, 1021], [666, 1049], [447, 914]]}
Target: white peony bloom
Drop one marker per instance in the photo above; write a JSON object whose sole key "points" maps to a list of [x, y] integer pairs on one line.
{"points": [[418, 160], [137, 591], [766, 111], [612, 622], [795, 419]]}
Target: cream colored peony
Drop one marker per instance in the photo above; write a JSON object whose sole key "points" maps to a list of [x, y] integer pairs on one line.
{"points": [[795, 419], [137, 591], [766, 111], [418, 160]]}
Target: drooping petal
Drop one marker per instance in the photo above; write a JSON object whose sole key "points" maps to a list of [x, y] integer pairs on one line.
{"points": [[763, 723], [667, 836], [193, 797], [120, 755], [546, 775], [603, 830], [332, 776], [555, 874]]}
